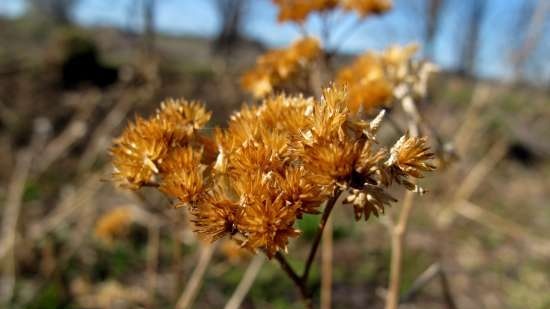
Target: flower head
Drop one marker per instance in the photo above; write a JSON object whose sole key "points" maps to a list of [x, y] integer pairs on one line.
{"points": [[276, 67]]}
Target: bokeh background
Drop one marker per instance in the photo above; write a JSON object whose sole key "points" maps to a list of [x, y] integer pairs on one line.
{"points": [[72, 72]]}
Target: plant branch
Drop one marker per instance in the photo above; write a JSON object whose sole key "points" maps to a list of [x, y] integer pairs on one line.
{"points": [[326, 213], [188, 296], [300, 284], [246, 283], [397, 242]]}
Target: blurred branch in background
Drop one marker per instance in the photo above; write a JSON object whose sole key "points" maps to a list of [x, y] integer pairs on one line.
{"points": [[59, 11], [231, 14]]}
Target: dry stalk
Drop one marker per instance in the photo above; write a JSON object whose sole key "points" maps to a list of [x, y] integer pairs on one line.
{"points": [[9, 223], [191, 290], [478, 214], [433, 271], [246, 283], [472, 181], [397, 243]]}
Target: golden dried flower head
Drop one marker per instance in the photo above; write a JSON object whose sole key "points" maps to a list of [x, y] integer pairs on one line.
{"points": [[268, 224], [279, 66], [301, 188], [410, 157], [138, 151], [183, 175], [113, 224], [145, 143], [215, 216], [183, 113]]}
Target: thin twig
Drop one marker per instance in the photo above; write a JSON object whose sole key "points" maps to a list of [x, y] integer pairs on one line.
{"points": [[397, 242], [246, 283], [326, 213], [419, 283], [10, 218], [447, 295], [433, 271], [191, 290], [299, 282]]}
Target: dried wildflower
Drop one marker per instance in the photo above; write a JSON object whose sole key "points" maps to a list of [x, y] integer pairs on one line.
{"points": [[215, 216], [409, 157], [278, 66], [367, 7], [268, 225], [376, 80], [369, 200], [273, 163], [183, 175], [144, 144], [113, 224], [184, 113], [138, 151], [299, 187]]}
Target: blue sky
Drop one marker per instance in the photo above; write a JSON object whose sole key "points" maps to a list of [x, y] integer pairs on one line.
{"points": [[400, 26]]}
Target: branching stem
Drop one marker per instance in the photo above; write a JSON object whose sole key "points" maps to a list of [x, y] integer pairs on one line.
{"points": [[302, 281], [326, 213]]}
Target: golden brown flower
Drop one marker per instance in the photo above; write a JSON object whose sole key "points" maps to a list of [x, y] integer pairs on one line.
{"points": [[138, 151], [184, 113], [183, 175], [299, 187], [298, 10], [268, 225], [278, 66], [410, 157], [144, 144], [215, 216]]}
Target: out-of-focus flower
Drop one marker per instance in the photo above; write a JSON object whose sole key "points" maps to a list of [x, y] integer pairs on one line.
{"points": [[298, 10], [278, 66], [113, 224], [367, 7], [375, 80]]}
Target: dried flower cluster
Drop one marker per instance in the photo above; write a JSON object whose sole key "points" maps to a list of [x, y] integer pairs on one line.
{"points": [[273, 163], [377, 80], [278, 66], [299, 10]]}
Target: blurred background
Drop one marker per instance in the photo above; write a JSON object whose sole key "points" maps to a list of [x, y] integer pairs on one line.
{"points": [[72, 72]]}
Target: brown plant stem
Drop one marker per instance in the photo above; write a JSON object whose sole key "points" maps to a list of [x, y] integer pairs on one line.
{"points": [[313, 251], [397, 242], [299, 282]]}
